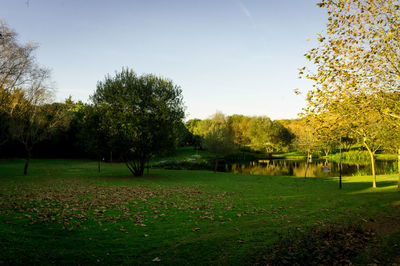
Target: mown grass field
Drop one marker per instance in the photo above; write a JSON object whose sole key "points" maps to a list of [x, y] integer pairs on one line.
{"points": [[66, 212]]}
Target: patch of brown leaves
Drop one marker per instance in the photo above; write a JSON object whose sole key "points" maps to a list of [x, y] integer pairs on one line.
{"points": [[327, 245], [73, 203]]}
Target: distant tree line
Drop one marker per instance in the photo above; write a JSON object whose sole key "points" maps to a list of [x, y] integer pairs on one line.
{"points": [[225, 134], [98, 130]]}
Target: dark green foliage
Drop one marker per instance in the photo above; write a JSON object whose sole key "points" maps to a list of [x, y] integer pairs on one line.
{"points": [[34, 122], [5, 116], [60, 140], [92, 134], [184, 135], [140, 114], [193, 126], [4, 127]]}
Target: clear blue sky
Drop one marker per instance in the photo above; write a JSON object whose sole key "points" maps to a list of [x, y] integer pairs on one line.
{"points": [[234, 56]]}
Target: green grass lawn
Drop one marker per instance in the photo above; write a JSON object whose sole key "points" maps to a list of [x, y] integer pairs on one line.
{"points": [[66, 212]]}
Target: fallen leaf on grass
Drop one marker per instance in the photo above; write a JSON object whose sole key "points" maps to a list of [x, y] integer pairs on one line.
{"points": [[157, 259], [196, 229], [68, 203]]}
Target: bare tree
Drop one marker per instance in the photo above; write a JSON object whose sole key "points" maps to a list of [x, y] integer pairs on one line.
{"points": [[16, 60], [26, 114], [16, 65]]}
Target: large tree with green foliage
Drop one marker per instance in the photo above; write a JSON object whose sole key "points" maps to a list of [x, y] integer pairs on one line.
{"points": [[140, 114]]}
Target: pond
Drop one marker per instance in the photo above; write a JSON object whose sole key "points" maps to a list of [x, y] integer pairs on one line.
{"points": [[316, 168]]}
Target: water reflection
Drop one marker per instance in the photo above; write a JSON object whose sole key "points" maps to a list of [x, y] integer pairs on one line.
{"points": [[317, 168]]}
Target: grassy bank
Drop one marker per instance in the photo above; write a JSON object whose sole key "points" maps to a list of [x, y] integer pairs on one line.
{"points": [[360, 156], [64, 211]]}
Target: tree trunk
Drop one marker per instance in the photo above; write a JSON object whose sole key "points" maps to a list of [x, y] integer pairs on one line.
{"points": [[142, 166], [28, 157], [216, 165], [371, 155], [340, 165], [398, 166], [136, 166], [26, 165], [308, 155], [98, 165]]}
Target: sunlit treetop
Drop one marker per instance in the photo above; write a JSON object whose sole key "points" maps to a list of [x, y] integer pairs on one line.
{"points": [[359, 52]]}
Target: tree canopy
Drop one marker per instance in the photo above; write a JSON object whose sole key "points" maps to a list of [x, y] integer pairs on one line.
{"points": [[359, 53], [141, 115]]}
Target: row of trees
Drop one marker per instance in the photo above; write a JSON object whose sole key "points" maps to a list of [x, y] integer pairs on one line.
{"points": [[223, 134], [131, 122], [261, 134]]}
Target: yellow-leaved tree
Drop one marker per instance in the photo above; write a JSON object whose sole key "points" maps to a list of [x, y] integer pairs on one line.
{"points": [[357, 69]]}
